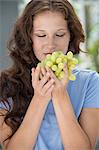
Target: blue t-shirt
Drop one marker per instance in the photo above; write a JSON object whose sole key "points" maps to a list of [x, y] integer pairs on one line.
{"points": [[84, 93]]}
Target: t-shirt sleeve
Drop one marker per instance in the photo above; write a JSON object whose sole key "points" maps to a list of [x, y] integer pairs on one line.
{"points": [[2, 105], [5, 105], [92, 92]]}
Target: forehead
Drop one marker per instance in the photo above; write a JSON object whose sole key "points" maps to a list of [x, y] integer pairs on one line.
{"points": [[49, 18]]}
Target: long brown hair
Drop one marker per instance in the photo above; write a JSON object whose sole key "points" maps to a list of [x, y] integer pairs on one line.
{"points": [[15, 82]]}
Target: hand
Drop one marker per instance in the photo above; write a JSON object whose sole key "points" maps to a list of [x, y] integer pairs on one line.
{"points": [[42, 88], [60, 85]]}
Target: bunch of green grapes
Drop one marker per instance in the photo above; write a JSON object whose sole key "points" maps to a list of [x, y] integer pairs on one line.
{"points": [[56, 61]]}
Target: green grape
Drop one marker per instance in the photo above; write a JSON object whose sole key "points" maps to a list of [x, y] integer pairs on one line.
{"points": [[59, 52], [56, 62], [53, 58], [69, 63], [61, 75], [60, 65], [57, 72], [74, 61], [72, 77], [65, 59], [54, 67], [71, 67], [48, 63], [48, 57], [69, 71], [69, 55], [55, 53], [62, 55], [65, 56]]}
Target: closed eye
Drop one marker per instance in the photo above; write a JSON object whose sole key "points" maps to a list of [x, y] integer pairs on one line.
{"points": [[60, 35], [41, 35]]}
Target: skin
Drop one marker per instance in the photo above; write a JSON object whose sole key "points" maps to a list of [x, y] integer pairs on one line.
{"points": [[48, 87], [48, 25], [54, 32]]}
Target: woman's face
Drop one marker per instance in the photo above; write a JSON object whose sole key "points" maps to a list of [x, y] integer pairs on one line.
{"points": [[50, 33]]}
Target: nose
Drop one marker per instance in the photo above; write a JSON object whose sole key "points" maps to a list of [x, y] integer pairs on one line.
{"points": [[51, 44]]}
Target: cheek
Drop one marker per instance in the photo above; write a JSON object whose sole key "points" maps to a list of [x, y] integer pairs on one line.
{"points": [[64, 44], [36, 44], [66, 41], [38, 51]]}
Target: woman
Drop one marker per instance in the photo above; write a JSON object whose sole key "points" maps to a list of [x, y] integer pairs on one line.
{"points": [[38, 111]]}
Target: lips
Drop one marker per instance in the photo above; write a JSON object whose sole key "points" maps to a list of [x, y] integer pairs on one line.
{"points": [[47, 53]]}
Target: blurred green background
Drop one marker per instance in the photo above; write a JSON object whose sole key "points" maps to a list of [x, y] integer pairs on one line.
{"points": [[88, 12], [89, 15]]}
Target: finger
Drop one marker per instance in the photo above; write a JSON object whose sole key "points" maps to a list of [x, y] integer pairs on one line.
{"points": [[43, 71], [47, 70], [48, 85], [33, 74], [65, 69], [52, 74], [50, 89], [37, 73], [65, 78], [44, 79], [41, 76]]}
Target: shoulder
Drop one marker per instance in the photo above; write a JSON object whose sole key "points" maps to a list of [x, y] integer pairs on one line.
{"points": [[6, 104], [87, 85], [84, 76], [85, 73], [85, 80]]}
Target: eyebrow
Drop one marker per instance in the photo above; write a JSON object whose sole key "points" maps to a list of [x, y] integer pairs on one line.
{"points": [[57, 30]]}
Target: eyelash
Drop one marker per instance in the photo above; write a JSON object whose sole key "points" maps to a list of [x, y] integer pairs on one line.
{"points": [[56, 35]]}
